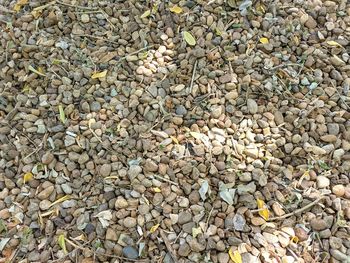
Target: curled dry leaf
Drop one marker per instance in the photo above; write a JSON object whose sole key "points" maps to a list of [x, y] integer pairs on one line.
{"points": [[101, 74]]}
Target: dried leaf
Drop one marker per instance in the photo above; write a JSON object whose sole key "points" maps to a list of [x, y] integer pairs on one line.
{"points": [[62, 114], [156, 189], [264, 40], [196, 135], [62, 243], [334, 43], [226, 196], [176, 9], [189, 38], [19, 5], [101, 74], [196, 231], [264, 212], [3, 242], [154, 228], [294, 239], [27, 177], [30, 68], [174, 139], [203, 190], [235, 256], [60, 200], [243, 7], [104, 217], [146, 14]]}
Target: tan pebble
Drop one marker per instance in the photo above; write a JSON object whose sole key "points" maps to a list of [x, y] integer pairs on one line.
{"points": [[338, 190]]}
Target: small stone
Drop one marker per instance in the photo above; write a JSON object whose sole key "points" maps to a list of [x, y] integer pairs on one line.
{"points": [[257, 221], [85, 18], [325, 233], [301, 234], [105, 170], [245, 189], [223, 258], [322, 181], [338, 154], [130, 222], [335, 242], [338, 255], [83, 158], [47, 158], [130, 252], [338, 190], [180, 110], [111, 234], [318, 224], [184, 217], [134, 171], [310, 23], [44, 194], [151, 166], [184, 250], [121, 203], [277, 209], [66, 189], [252, 106]]}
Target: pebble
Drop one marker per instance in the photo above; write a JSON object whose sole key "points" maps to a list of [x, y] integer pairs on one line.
{"points": [[130, 252], [130, 222], [322, 181], [338, 190], [85, 18], [66, 189], [44, 194], [252, 106], [47, 158], [184, 250], [105, 170], [318, 224]]}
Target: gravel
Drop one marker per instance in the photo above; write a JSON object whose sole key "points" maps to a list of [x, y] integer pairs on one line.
{"points": [[117, 132]]}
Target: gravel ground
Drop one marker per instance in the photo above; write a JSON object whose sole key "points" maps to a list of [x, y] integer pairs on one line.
{"points": [[175, 131]]}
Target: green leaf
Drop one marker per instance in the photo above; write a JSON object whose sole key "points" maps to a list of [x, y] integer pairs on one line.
{"points": [[62, 243], [62, 114], [189, 38]]}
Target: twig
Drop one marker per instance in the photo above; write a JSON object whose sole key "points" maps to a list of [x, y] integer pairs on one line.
{"points": [[166, 180], [193, 75], [299, 210], [287, 65], [77, 6], [168, 246]]}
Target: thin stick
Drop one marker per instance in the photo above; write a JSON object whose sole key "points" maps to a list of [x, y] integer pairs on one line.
{"points": [[299, 210], [193, 75], [166, 180], [168, 246], [76, 6]]}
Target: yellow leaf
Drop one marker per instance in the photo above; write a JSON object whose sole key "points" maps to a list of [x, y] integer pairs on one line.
{"points": [[189, 38], [154, 228], [101, 74], [264, 40], [36, 71], [235, 256], [156, 189], [334, 43], [146, 14], [176, 9], [174, 139], [62, 243], [19, 5], [295, 240], [60, 200], [27, 177], [264, 212]]}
